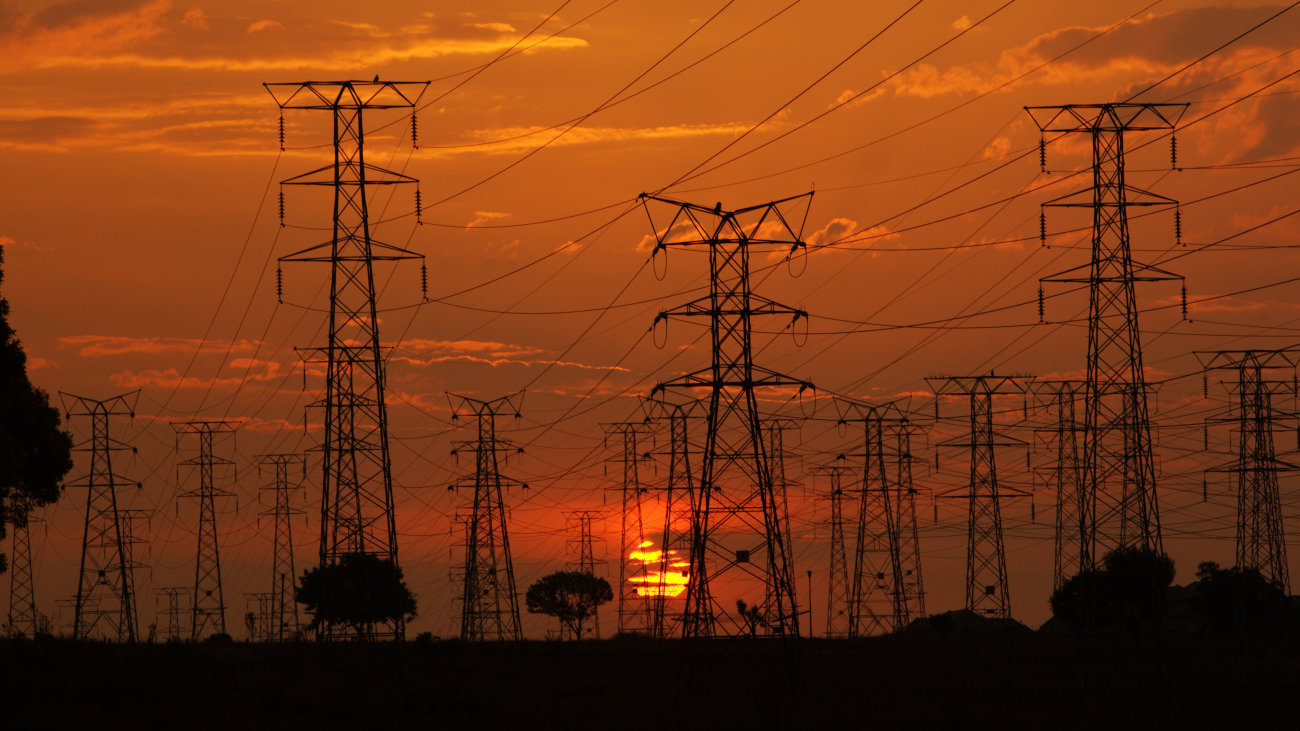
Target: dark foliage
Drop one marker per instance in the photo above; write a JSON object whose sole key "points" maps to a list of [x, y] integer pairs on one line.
{"points": [[570, 596], [1239, 600], [1129, 590], [35, 453], [360, 591]]}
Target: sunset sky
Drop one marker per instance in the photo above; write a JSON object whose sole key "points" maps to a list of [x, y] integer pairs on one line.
{"points": [[140, 225]]}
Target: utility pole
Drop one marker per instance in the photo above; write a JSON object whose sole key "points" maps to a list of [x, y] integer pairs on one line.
{"points": [[1120, 508], [987, 592], [738, 524], [105, 602], [876, 597], [911, 597], [22, 587], [173, 596], [680, 507], [838, 593], [1260, 375], [489, 602], [635, 593], [1065, 476], [208, 602], [283, 608], [356, 484]]}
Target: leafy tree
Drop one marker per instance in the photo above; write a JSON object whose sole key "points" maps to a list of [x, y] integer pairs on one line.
{"points": [[1239, 599], [360, 591], [35, 453], [1129, 589], [570, 596]]}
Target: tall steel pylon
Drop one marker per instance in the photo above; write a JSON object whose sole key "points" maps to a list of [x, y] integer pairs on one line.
{"points": [[635, 593], [987, 591], [1260, 375], [22, 586], [489, 601], [1064, 476], [1119, 481], [911, 585], [356, 484], [738, 521], [173, 595], [581, 543], [208, 602], [680, 496], [838, 595], [283, 623], [105, 602], [876, 596]]}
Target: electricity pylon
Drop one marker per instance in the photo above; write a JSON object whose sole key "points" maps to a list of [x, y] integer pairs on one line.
{"points": [[22, 586], [738, 521], [283, 618], [1260, 375], [1064, 476], [581, 542], [208, 602], [489, 602], [105, 602], [1119, 482], [911, 601], [357, 483], [173, 596], [679, 508], [635, 593], [876, 596], [837, 590], [987, 592]]}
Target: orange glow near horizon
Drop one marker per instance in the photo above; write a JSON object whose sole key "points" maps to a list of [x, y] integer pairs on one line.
{"points": [[657, 581]]}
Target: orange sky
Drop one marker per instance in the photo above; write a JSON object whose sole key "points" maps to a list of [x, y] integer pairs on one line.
{"points": [[139, 220]]}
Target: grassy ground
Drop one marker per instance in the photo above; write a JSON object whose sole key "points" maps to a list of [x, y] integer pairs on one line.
{"points": [[999, 680]]}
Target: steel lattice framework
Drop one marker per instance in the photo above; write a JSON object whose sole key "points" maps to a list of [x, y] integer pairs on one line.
{"points": [[876, 588], [837, 586], [911, 586], [738, 524], [356, 485], [173, 596], [284, 623], [680, 498], [987, 591], [1119, 482], [22, 587], [635, 595], [105, 602], [1065, 476], [1261, 535], [489, 601], [578, 528], [208, 602]]}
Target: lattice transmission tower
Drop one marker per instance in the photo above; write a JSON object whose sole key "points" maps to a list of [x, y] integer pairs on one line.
{"points": [[1119, 481], [679, 496], [987, 591], [738, 520], [635, 593], [838, 595], [357, 483], [208, 601], [489, 601], [282, 610], [581, 540], [173, 596], [911, 584], [1260, 376], [876, 593], [105, 602], [23, 617], [1064, 476]]}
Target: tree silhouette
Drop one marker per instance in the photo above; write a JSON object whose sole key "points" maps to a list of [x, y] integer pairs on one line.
{"points": [[360, 590], [1129, 588], [35, 453], [1239, 599], [570, 596]]}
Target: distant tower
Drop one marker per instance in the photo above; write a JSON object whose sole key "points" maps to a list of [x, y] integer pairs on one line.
{"points": [[635, 607], [1119, 481], [987, 592], [1260, 375], [680, 498], [357, 484], [173, 595], [282, 609], [105, 602], [1065, 476], [22, 587], [581, 542], [738, 521], [838, 594], [489, 602], [911, 592], [208, 603]]}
